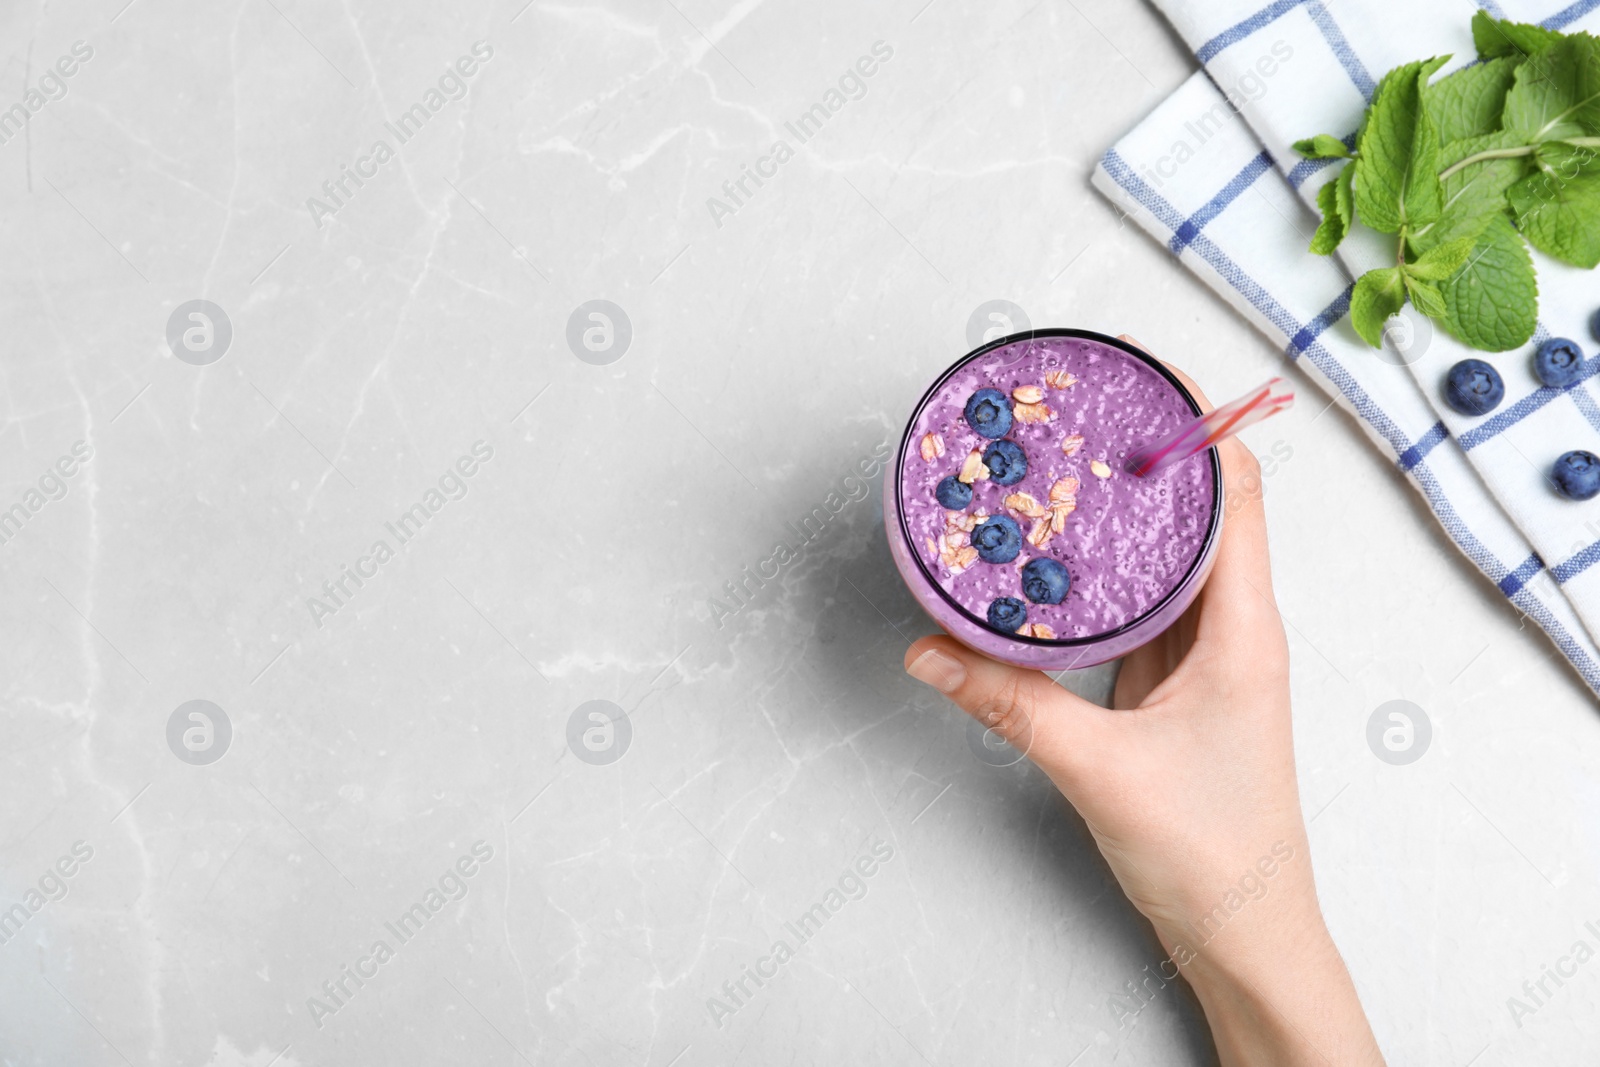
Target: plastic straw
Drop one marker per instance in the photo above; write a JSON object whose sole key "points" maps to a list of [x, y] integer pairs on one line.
{"points": [[1218, 425]]}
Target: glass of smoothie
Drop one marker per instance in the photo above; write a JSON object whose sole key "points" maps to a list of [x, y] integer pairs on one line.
{"points": [[1012, 517]]}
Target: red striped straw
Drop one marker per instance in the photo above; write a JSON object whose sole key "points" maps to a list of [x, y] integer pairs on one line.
{"points": [[1195, 437]]}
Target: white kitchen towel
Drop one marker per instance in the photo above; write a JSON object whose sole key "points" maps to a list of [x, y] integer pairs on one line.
{"points": [[1211, 174]]}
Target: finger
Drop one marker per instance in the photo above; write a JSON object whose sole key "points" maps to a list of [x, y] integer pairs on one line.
{"points": [[1238, 599], [1243, 551], [1035, 716]]}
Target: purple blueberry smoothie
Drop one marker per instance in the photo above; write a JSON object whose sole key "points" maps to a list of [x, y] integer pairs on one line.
{"points": [[1014, 501]]}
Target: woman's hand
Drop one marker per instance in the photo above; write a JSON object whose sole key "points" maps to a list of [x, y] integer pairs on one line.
{"points": [[1189, 790]]}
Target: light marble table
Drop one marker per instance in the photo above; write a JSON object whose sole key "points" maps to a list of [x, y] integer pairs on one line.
{"points": [[406, 750]]}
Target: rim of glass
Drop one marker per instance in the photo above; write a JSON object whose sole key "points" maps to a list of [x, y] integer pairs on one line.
{"points": [[1029, 335]]}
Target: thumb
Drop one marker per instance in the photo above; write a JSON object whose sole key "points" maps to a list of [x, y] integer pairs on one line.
{"points": [[1035, 716]]}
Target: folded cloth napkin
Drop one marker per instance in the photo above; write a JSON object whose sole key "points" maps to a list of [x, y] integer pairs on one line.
{"points": [[1211, 173]]}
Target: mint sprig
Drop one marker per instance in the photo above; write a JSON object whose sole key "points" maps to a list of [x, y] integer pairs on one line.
{"points": [[1467, 171], [1322, 147]]}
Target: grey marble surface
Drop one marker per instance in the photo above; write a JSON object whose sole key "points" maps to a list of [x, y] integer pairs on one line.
{"points": [[408, 759]]}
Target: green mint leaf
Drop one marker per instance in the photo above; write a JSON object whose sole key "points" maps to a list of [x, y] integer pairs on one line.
{"points": [[1556, 94], [1335, 224], [1441, 262], [1426, 296], [1346, 195], [1475, 193], [1493, 301], [1397, 180], [1378, 294], [1469, 102], [1558, 207], [1322, 146], [1498, 37]]}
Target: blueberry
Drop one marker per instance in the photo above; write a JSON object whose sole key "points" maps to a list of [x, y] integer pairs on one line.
{"points": [[1473, 387], [988, 412], [1594, 325], [997, 539], [1007, 463], [1008, 614], [1558, 363], [1577, 475], [1045, 581], [953, 493]]}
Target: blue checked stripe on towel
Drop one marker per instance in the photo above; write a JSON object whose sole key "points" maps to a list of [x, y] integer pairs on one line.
{"points": [[1211, 174]]}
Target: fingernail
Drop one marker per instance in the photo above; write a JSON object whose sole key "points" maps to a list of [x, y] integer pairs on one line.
{"points": [[944, 673]]}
